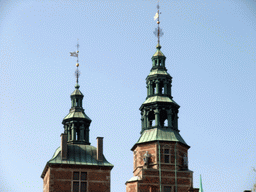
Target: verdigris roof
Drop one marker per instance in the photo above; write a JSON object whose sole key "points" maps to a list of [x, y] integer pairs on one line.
{"points": [[77, 92], [157, 134], [159, 99], [158, 53], [158, 72], [77, 114], [79, 155]]}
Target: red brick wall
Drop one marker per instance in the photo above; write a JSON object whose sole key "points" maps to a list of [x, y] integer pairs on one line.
{"points": [[59, 179], [131, 187], [144, 188], [150, 175], [99, 187], [150, 180], [140, 150]]}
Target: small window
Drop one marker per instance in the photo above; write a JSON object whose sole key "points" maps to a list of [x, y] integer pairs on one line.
{"points": [[167, 155], [75, 186], [83, 176], [76, 176], [79, 182], [166, 158], [83, 187], [167, 189]]}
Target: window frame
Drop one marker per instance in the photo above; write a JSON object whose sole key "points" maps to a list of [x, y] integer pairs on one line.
{"points": [[172, 188], [166, 154], [80, 181]]}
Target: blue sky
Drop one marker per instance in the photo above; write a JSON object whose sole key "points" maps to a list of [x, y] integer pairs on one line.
{"points": [[210, 49]]}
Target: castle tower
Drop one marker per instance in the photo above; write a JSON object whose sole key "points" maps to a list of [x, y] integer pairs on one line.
{"points": [[160, 156], [76, 166]]}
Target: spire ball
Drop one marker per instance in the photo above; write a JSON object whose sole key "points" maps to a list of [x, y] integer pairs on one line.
{"points": [[158, 46], [77, 64], [77, 51], [158, 22], [77, 86]]}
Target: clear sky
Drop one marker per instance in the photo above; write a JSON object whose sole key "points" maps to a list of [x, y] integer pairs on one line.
{"points": [[210, 48]]}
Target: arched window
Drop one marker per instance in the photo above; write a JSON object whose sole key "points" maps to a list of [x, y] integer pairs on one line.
{"points": [[165, 123], [78, 135], [151, 118], [163, 118], [154, 88]]}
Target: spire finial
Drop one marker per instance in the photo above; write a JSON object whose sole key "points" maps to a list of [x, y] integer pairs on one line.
{"points": [[158, 31], [77, 72]]}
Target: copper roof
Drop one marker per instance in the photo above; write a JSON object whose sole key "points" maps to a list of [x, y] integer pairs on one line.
{"points": [[77, 114], [159, 99], [160, 134], [158, 72], [77, 155]]}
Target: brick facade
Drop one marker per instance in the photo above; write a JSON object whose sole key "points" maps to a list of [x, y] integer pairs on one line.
{"points": [[60, 179], [148, 176]]}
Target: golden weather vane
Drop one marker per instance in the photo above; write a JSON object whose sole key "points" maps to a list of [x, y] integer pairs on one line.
{"points": [[75, 54], [158, 31]]}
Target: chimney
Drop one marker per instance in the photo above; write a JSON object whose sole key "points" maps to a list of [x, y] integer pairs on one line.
{"points": [[99, 148], [63, 146]]}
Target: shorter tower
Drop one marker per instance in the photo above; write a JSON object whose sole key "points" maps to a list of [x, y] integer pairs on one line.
{"points": [[76, 166]]}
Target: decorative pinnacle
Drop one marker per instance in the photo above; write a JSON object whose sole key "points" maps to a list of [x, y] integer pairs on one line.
{"points": [[75, 54], [158, 31]]}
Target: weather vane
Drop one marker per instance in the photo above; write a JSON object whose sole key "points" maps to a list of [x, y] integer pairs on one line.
{"points": [[75, 54], [158, 31]]}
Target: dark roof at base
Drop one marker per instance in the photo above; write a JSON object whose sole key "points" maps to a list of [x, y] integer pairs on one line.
{"points": [[160, 134], [77, 155]]}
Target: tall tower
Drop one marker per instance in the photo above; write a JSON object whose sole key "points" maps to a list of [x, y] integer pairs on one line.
{"points": [[160, 156], [77, 166]]}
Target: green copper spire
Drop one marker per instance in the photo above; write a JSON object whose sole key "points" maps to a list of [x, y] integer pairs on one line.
{"points": [[158, 52], [159, 113], [201, 185], [158, 58], [76, 123]]}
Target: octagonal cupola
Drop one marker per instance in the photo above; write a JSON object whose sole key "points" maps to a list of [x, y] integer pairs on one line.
{"points": [[158, 59], [76, 123]]}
